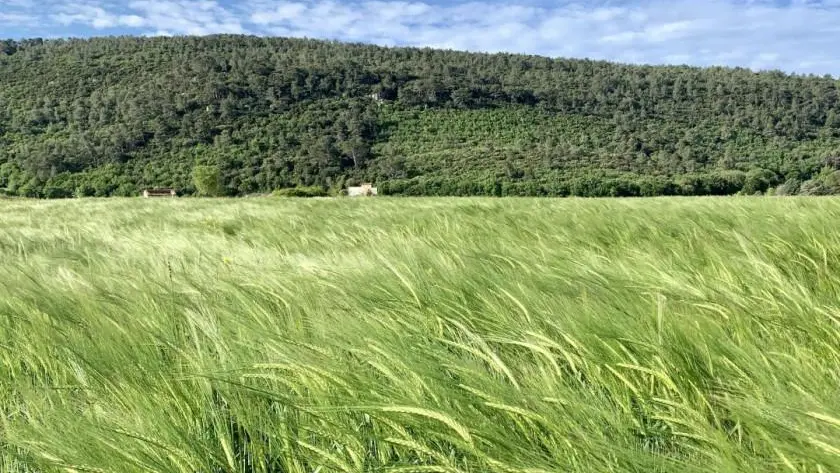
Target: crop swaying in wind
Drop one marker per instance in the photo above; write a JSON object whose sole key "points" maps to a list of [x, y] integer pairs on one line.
{"points": [[428, 335]]}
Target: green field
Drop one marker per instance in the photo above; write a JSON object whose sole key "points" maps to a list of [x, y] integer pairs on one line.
{"points": [[431, 335]]}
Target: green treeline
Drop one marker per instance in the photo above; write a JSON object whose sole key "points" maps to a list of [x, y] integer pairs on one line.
{"points": [[234, 115]]}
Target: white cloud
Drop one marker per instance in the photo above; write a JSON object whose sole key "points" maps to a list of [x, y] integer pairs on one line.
{"points": [[192, 17], [16, 18], [621, 38], [800, 36], [284, 12], [668, 31], [132, 21], [17, 3], [97, 17]]}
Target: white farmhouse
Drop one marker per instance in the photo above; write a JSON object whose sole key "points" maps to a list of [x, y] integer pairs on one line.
{"points": [[364, 190]]}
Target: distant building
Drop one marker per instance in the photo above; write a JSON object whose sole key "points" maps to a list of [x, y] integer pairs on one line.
{"points": [[378, 97], [365, 190], [159, 193]]}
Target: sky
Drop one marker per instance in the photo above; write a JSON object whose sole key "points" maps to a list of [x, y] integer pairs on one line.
{"points": [[800, 36]]}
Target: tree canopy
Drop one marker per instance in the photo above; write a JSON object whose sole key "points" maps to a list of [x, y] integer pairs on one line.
{"points": [[110, 116]]}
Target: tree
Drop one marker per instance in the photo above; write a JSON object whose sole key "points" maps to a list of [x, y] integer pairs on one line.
{"points": [[827, 182], [814, 187], [207, 180], [758, 180], [790, 187], [120, 113], [356, 148]]}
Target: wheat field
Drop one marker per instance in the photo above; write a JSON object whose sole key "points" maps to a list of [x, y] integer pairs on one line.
{"points": [[428, 335]]}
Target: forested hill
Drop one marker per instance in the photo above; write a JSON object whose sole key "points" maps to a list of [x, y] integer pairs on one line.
{"points": [[111, 116]]}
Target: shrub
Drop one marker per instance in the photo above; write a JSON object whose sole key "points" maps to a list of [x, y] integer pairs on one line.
{"points": [[827, 182], [207, 181], [814, 187], [758, 181], [301, 191], [790, 187]]}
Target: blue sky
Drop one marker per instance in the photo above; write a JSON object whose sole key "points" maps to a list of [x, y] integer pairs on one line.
{"points": [[792, 35]]}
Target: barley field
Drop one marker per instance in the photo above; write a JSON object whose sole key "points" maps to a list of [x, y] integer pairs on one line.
{"points": [[430, 335]]}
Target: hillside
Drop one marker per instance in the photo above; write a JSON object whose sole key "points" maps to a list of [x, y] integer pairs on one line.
{"points": [[112, 115]]}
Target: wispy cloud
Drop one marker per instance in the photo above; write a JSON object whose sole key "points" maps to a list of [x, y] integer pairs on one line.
{"points": [[17, 18], [191, 17], [792, 35]]}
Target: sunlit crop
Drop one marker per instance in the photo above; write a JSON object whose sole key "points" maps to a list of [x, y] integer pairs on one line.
{"points": [[429, 335]]}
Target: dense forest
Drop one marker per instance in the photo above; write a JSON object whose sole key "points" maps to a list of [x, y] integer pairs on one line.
{"points": [[236, 115]]}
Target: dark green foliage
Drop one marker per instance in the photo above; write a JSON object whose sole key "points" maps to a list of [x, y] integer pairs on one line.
{"points": [[827, 182], [301, 191], [757, 181], [790, 187], [111, 116]]}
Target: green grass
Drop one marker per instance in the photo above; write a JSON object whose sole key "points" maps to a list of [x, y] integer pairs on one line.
{"points": [[429, 335]]}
